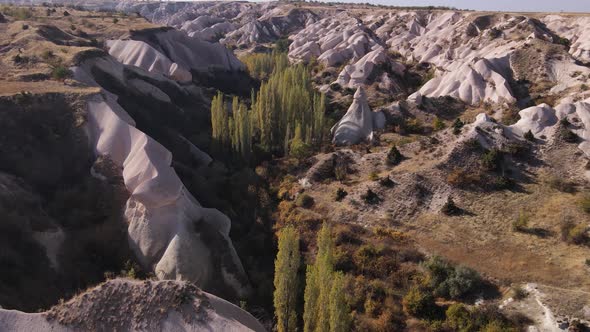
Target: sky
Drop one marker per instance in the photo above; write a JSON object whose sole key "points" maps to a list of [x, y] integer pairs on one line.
{"points": [[495, 5]]}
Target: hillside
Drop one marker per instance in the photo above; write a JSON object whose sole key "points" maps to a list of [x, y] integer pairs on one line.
{"points": [[447, 150]]}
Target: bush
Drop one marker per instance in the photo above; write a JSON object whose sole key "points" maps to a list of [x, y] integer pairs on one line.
{"points": [[386, 182], [419, 303], [492, 160], [562, 185], [450, 209], [413, 126], [438, 124], [60, 73], [394, 157], [373, 176], [585, 204], [529, 136], [25, 27], [573, 233], [340, 172], [304, 201], [451, 282], [47, 55], [457, 125], [115, 20], [518, 293], [459, 317], [340, 194], [282, 45], [521, 224], [568, 135], [66, 13], [370, 197]]}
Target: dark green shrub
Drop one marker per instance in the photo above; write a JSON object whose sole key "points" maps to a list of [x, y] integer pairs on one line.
{"points": [[451, 282], [60, 73], [492, 160], [450, 208], [529, 136], [115, 20], [335, 87], [394, 157], [282, 45], [386, 182], [66, 13], [518, 293], [340, 194], [457, 125], [419, 303], [370, 197], [304, 201]]}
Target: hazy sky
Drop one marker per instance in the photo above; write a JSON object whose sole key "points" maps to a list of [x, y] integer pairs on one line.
{"points": [[504, 5]]}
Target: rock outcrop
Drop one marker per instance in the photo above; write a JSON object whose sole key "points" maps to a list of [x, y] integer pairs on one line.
{"points": [[357, 124], [129, 305], [169, 231]]}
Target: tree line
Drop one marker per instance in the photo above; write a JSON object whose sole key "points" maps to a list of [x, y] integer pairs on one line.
{"points": [[286, 115], [325, 308]]}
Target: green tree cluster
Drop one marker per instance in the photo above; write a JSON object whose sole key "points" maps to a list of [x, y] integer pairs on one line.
{"points": [[325, 307], [286, 116], [261, 65], [288, 109], [231, 132]]}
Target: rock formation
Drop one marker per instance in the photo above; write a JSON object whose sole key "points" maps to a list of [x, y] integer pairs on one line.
{"points": [[128, 305], [358, 123], [169, 231]]}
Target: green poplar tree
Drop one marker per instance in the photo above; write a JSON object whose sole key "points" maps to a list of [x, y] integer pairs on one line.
{"points": [[285, 280]]}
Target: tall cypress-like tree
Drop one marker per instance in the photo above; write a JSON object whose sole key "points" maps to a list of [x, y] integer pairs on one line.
{"points": [[316, 314], [285, 280], [339, 311]]}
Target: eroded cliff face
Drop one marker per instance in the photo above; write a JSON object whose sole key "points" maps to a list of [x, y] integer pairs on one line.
{"points": [[89, 160]]}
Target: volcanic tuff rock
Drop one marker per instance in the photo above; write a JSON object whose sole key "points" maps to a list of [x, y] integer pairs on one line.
{"points": [[358, 123], [169, 230], [123, 304]]}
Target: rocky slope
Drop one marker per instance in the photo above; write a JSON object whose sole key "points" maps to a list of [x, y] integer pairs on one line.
{"points": [[128, 305], [89, 190]]}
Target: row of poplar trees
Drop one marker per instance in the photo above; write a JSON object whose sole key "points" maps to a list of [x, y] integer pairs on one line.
{"points": [[286, 115], [325, 308]]}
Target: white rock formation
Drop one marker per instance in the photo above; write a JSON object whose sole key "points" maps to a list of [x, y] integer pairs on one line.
{"points": [[576, 29], [471, 83], [140, 54], [358, 123], [192, 52], [169, 231], [333, 40], [578, 113], [357, 74], [536, 119]]}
